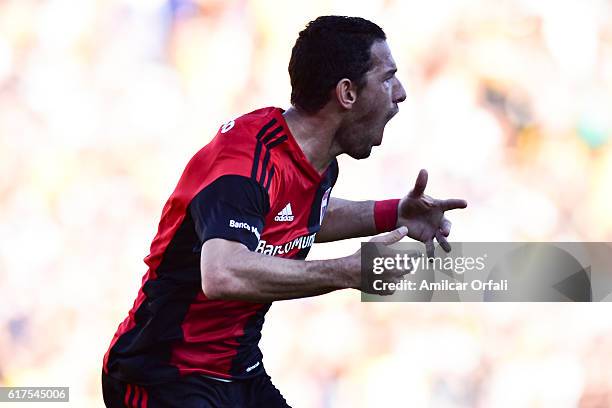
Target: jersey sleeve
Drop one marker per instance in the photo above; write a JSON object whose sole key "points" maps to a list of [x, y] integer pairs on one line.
{"points": [[232, 207]]}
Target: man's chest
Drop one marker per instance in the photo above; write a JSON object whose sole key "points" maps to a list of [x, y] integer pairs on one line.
{"points": [[294, 218]]}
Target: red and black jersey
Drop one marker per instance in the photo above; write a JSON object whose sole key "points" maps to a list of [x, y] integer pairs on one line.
{"points": [[251, 184]]}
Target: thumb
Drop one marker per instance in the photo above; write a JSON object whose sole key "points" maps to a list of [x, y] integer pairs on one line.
{"points": [[391, 237]]}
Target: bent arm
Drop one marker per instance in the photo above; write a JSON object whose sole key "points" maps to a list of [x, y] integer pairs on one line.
{"points": [[230, 271], [347, 219]]}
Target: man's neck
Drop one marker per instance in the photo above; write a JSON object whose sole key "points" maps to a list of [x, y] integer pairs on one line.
{"points": [[315, 136]]}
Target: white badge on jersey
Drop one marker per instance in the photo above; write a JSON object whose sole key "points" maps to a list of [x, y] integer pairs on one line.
{"points": [[324, 202], [226, 127]]}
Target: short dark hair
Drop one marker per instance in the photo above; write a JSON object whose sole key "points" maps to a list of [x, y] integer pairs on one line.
{"points": [[328, 49]]}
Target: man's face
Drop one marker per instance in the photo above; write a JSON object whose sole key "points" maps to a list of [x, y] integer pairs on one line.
{"points": [[375, 105]]}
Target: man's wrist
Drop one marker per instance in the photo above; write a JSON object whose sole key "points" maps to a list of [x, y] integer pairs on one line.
{"points": [[338, 273], [385, 215], [348, 272]]}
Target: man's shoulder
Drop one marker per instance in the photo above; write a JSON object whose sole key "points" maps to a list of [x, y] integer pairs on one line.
{"points": [[260, 115], [251, 124], [251, 135], [235, 148], [239, 135]]}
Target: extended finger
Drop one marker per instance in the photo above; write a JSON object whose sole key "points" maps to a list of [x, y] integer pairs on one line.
{"points": [[391, 237], [442, 241], [420, 184], [452, 204], [429, 248], [445, 227]]}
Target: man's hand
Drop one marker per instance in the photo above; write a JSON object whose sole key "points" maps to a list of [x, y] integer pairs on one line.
{"points": [[424, 215], [391, 276]]}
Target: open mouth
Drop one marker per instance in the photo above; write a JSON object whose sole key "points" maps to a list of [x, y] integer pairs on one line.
{"points": [[395, 110], [392, 113]]}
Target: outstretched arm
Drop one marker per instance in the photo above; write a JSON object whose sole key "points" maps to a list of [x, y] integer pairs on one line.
{"points": [[347, 219], [231, 272]]}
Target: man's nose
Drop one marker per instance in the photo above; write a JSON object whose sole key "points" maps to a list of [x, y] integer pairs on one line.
{"points": [[399, 94]]}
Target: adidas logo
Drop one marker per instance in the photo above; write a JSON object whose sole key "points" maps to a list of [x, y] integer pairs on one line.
{"points": [[285, 215]]}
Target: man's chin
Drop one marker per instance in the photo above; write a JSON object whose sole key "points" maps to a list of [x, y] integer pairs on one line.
{"points": [[362, 154], [394, 112]]}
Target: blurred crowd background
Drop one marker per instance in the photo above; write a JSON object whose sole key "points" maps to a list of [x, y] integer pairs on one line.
{"points": [[102, 103]]}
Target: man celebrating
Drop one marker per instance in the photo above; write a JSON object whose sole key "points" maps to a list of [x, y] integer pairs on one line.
{"points": [[234, 234]]}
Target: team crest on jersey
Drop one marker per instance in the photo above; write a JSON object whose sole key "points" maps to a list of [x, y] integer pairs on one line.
{"points": [[324, 202]]}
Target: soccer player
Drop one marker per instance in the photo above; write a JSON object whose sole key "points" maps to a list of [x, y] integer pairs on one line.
{"points": [[234, 234]]}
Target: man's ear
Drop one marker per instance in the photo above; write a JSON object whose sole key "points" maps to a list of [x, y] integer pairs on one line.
{"points": [[346, 93]]}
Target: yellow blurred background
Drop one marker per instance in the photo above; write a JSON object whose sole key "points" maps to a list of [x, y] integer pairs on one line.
{"points": [[102, 103]]}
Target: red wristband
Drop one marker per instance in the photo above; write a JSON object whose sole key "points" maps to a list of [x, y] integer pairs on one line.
{"points": [[385, 215]]}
